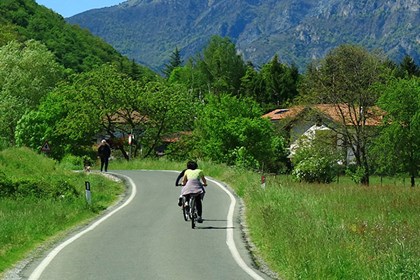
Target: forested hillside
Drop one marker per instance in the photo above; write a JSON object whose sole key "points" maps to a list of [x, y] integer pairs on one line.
{"points": [[297, 31], [75, 48]]}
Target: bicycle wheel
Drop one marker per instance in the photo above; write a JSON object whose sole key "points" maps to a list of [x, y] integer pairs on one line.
{"points": [[185, 210], [193, 210]]}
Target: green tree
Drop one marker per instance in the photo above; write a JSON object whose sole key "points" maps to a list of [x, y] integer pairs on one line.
{"points": [[174, 62], [42, 125], [107, 103], [231, 130], [28, 71], [408, 68], [252, 85], [344, 78], [280, 80], [169, 110], [221, 66], [398, 146], [90, 104]]}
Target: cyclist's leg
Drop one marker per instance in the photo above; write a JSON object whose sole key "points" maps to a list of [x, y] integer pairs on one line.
{"points": [[199, 205], [187, 198]]}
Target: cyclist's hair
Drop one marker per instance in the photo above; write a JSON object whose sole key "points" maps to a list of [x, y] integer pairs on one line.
{"points": [[192, 165]]}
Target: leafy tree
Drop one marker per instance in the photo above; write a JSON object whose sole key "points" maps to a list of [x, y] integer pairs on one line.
{"points": [[221, 66], [28, 71], [252, 85], [280, 81], [106, 103], [169, 109], [42, 125], [231, 130], [8, 33], [398, 146], [344, 78]]}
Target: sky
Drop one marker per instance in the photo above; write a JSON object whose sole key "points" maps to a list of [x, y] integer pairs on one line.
{"points": [[68, 8]]}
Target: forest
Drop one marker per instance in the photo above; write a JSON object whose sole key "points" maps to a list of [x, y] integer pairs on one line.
{"points": [[61, 85]]}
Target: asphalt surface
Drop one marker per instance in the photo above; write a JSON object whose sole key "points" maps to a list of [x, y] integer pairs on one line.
{"points": [[145, 237]]}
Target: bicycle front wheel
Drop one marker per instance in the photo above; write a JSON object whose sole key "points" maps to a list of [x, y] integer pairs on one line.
{"points": [[185, 210]]}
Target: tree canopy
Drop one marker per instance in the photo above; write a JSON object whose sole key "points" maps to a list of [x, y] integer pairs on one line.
{"points": [[398, 146], [28, 71], [344, 78]]}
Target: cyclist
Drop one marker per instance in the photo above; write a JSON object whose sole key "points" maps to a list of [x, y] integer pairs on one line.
{"points": [[193, 183]]}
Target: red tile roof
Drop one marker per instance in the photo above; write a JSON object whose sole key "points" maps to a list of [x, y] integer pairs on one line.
{"points": [[374, 114]]}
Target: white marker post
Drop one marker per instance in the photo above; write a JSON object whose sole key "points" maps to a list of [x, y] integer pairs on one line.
{"points": [[262, 181], [88, 194]]}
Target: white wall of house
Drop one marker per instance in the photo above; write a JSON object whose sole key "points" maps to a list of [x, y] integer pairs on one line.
{"points": [[308, 130]]}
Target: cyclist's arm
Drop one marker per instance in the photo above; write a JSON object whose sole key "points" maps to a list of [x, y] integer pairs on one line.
{"points": [[184, 180], [179, 177], [203, 179]]}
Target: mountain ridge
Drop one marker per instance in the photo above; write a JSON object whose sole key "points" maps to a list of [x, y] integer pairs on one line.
{"points": [[297, 30]]}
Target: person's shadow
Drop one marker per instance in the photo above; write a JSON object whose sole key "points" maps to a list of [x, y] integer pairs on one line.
{"points": [[201, 226]]}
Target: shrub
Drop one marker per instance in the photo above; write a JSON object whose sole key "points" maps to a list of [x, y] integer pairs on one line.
{"points": [[7, 187], [356, 173], [316, 160], [244, 159], [72, 162], [315, 169]]}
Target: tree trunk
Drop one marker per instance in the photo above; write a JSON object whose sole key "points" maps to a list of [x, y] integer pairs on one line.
{"points": [[121, 148], [365, 179]]}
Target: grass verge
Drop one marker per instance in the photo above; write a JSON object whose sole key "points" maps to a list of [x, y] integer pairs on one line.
{"points": [[40, 200]]}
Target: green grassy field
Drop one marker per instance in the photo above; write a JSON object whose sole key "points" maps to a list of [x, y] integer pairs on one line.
{"points": [[43, 202], [334, 231]]}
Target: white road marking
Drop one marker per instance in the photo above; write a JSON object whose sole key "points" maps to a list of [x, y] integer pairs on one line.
{"points": [[36, 274], [229, 235], [41, 267]]}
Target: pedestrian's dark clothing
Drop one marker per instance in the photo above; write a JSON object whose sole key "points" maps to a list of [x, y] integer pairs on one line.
{"points": [[104, 152]]}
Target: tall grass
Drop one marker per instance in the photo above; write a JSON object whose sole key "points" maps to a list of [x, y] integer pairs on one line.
{"points": [[336, 231], [27, 221]]}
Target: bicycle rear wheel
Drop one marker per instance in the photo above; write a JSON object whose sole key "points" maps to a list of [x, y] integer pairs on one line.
{"points": [[193, 210]]}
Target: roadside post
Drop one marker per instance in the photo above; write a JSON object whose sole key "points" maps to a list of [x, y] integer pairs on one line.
{"points": [[88, 194], [263, 181], [130, 142]]}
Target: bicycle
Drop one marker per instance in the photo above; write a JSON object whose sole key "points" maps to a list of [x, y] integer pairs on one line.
{"points": [[193, 209], [189, 209]]}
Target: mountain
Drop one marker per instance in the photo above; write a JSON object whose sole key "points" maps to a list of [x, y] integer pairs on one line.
{"points": [[297, 30]]}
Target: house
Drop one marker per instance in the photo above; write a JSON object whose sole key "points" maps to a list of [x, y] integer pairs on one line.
{"points": [[299, 121]]}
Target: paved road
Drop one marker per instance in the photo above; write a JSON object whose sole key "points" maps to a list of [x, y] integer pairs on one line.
{"points": [[145, 237]]}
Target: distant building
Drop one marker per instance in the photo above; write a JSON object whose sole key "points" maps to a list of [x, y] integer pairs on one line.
{"points": [[299, 121]]}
